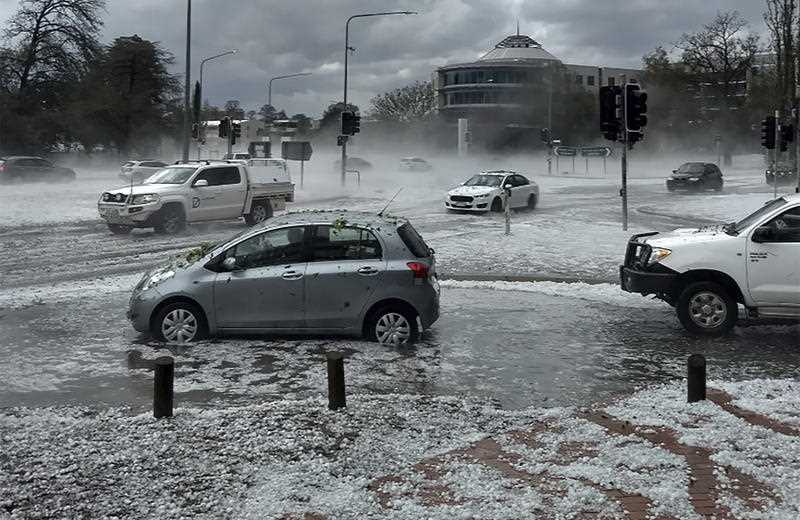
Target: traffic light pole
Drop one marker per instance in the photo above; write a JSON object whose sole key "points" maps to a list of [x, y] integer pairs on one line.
{"points": [[623, 192], [776, 152], [230, 139]]}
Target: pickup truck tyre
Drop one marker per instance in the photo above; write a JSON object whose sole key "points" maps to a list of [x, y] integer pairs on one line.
{"points": [[171, 221], [259, 212], [118, 229], [707, 308]]}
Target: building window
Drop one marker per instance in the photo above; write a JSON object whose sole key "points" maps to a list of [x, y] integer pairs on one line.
{"points": [[611, 81], [578, 79], [590, 80]]}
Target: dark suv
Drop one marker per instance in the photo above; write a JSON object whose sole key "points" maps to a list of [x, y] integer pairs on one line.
{"points": [[32, 169], [695, 176]]}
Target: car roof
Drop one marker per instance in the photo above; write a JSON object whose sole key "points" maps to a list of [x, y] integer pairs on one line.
{"points": [[500, 172], [357, 218], [13, 157]]}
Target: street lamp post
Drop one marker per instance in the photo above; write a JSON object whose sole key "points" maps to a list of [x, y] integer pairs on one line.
{"points": [[202, 64], [187, 121], [346, 50], [269, 91]]}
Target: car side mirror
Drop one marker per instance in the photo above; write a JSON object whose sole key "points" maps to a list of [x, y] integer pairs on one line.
{"points": [[200, 183], [763, 234], [508, 186], [230, 264]]}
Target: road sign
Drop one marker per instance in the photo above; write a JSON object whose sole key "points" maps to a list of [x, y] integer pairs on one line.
{"points": [[259, 149], [596, 151], [565, 151], [296, 150]]}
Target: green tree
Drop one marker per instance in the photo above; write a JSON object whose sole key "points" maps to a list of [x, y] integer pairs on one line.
{"points": [[303, 123], [125, 94]]}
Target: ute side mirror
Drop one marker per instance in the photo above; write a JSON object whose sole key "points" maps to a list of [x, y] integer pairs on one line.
{"points": [[200, 183], [763, 234], [230, 264]]}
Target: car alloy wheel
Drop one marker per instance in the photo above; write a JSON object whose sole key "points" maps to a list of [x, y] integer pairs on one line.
{"points": [[179, 326], [707, 310], [393, 328]]}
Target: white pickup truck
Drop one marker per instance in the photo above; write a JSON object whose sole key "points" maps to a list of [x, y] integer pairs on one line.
{"points": [[707, 273], [196, 192]]}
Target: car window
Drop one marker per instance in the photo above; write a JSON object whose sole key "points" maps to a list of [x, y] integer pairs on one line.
{"points": [[177, 175], [484, 180], [691, 168], [220, 176], [519, 180], [788, 226], [760, 212], [277, 247], [348, 243]]}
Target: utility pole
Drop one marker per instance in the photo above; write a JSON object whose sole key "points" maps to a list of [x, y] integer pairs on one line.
{"points": [[624, 165], [776, 152], [187, 115]]}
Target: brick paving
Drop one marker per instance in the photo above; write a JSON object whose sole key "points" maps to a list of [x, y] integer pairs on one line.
{"points": [[705, 482]]}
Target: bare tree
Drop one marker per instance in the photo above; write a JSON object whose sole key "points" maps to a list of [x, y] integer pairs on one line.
{"points": [[720, 56], [50, 38], [410, 103], [781, 18]]}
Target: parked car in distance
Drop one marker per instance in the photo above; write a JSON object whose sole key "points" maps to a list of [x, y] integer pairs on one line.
{"points": [[415, 164], [353, 163], [329, 272], [138, 171], [28, 169], [195, 192], [236, 156], [707, 273], [782, 175], [484, 192], [695, 176]]}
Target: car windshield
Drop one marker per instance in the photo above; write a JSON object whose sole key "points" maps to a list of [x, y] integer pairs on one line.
{"points": [[690, 168], [171, 176], [484, 180], [746, 222]]}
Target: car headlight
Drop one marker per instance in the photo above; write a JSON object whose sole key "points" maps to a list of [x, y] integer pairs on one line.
{"points": [[157, 278], [658, 254], [147, 198], [482, 196]]}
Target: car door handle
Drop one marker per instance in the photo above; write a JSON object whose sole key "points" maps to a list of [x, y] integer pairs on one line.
{"points": [[291, 275], [367, 271]]}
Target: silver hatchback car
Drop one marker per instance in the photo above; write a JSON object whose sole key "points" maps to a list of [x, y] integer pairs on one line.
{"points": [[313, 272]]}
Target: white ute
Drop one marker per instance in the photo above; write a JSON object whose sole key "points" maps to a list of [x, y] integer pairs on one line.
{"points": [[196, 192], [706, 273]]}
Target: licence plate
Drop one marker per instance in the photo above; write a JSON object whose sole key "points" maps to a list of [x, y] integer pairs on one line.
{"points": [[461, 204]]}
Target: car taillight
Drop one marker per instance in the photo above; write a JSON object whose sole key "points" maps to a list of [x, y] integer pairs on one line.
{"points": [[2, 167], [420, 270]]}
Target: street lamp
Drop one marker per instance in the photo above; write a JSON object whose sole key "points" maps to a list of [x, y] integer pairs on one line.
{"points": [[269, 94], [346, 50], [232, 51]]}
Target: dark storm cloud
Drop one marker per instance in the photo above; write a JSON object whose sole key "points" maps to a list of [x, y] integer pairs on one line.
{"points": [[277, 37]]}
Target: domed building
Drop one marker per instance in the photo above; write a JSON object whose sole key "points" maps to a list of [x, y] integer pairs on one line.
{"points": [[507, 93]]}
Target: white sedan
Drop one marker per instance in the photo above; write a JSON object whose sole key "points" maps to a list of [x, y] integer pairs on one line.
{"points": [[484, 192]]}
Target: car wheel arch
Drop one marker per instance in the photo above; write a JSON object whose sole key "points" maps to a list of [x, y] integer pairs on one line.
{"points": [[179, 299], [384, 303], [709, 275]]}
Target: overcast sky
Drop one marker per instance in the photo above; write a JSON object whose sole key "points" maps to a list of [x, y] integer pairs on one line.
{"points": [[276, 37]]}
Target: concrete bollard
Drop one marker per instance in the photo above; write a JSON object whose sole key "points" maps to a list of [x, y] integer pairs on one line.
{"points": [[336, 397], [696, 378], [164, 376]]}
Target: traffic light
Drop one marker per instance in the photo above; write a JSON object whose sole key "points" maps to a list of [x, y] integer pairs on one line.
{"points": [[635, 107], [195, 131], [237, 132], [351, 123], [787, 136], [611, 112], [224, 127], [544, 135], [768, 132]]}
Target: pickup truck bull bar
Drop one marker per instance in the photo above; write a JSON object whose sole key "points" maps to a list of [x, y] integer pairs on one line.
{"points": [[637, 253]]}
